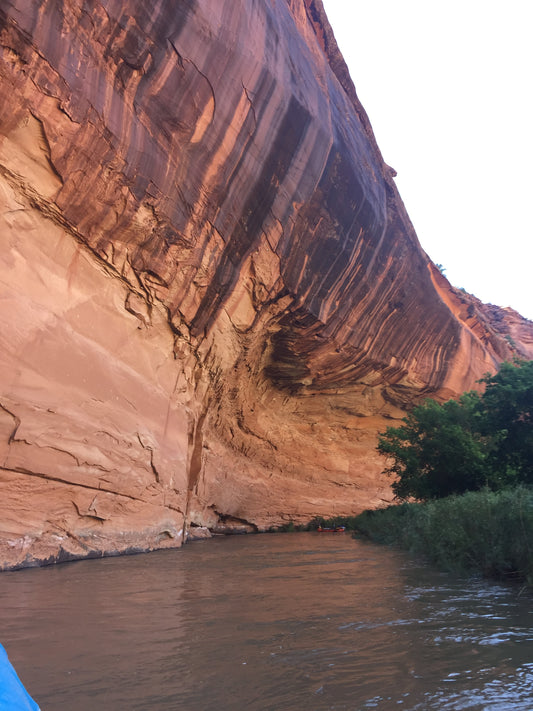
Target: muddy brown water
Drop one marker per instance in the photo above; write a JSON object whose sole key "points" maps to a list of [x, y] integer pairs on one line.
{"points": [[281, 622]]}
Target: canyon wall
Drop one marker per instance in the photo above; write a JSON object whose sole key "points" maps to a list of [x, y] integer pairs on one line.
{"points": [[212, 298]]}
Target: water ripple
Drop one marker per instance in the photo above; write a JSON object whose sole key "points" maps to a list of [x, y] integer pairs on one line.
{"points": [[292, 622]]}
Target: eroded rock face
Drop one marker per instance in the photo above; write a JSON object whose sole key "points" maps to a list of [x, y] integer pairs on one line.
{"points": [[212, 297]]}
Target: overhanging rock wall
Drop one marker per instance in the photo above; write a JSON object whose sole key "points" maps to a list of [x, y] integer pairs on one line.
{"points": [[211, 295]]}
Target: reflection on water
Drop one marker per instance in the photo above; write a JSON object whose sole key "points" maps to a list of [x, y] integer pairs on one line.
{"points": [[287, 621]]}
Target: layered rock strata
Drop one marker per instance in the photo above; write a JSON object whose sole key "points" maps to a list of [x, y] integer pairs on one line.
{"points": [[212, 297]]}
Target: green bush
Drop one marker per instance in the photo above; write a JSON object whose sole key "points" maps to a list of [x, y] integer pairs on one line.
{"points": [[483, 531], [465, 445]]}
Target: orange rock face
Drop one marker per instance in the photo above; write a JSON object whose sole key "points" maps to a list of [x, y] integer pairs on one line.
{"points": [[212, 298]]}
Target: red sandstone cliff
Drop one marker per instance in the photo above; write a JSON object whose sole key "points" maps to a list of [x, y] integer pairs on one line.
{"points": [[211, 295]]}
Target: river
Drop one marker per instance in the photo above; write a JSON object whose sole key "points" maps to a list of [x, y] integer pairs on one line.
{"points": [[280, 622]]}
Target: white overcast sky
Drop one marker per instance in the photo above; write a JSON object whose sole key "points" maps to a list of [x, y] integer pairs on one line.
{"points": [[448, 89]]}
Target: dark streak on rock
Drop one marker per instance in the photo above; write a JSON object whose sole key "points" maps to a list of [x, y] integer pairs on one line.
{"points": [[283, 150]]}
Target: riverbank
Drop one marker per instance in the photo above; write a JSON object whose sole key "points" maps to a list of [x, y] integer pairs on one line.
{"points": [[485, 532]]}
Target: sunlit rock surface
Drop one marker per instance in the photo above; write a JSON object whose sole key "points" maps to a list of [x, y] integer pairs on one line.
{"points": [[211, 295]]}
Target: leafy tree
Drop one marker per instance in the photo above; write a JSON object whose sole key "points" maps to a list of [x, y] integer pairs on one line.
{"points": [[436, 452], [508, 419], [479, 440]]}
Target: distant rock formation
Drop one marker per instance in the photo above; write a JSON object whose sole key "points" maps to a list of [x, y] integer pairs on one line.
{"points": [[212, 298]]}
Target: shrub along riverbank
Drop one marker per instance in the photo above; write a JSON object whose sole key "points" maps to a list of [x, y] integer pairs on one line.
{"points": [[487, 532]]}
